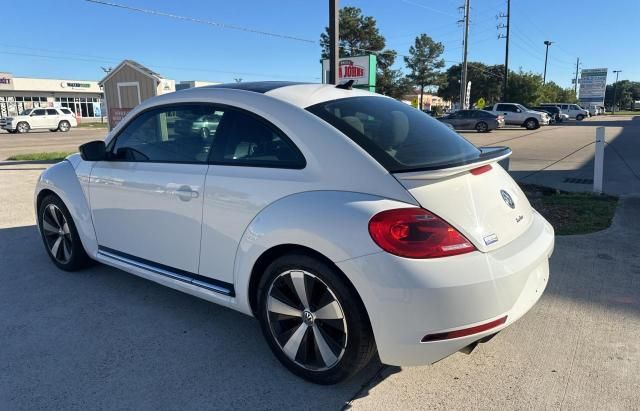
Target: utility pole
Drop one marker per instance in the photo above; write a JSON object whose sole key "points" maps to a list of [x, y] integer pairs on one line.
{"points": [[575, 85], [463, 78], [334, 40], [546, 56], [615, 86], [506, 52]]}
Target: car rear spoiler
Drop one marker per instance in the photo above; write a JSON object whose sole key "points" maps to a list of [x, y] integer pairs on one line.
{"points": [[488, 155]]}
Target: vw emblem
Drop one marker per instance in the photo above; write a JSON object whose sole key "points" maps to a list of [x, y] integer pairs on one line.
{"points": [[307, 317], [507, 199]]}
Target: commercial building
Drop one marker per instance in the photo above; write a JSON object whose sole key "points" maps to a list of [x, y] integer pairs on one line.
{"points": [[183, 85], [83, 97]]}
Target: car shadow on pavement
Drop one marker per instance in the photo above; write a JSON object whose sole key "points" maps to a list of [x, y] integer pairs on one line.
{"points": [[103, 338]]}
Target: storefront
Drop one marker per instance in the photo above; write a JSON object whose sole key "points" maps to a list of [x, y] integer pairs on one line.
{"points": [[85, 98]]}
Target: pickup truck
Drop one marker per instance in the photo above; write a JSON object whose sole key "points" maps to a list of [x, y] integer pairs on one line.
{"points": [[519, 115]]}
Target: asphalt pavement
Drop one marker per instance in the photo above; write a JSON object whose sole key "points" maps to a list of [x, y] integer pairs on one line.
{"points": [[102, 338], [40, 141]]}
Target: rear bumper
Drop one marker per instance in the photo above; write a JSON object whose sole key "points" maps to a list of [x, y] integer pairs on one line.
{"points": [[409, 299]]}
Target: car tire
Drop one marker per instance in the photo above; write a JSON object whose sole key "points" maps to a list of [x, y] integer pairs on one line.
{"points": [[13, 131], [482, 127], [579, 117], [53, 130], [60, 236], [531, 124], [325, 339], [64, 126], [23, 127]]}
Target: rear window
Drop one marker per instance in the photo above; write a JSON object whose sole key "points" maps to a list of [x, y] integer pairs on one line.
{"points": [[398, 136]]}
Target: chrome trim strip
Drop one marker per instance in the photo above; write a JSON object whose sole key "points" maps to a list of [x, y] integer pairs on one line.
{"points": [[165, 273]]}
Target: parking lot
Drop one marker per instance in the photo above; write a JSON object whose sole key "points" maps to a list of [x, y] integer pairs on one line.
{"points": [[102, 338]]}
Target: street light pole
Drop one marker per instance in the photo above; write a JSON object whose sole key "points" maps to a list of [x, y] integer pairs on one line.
{"points": [[334, 40], [615, 86], [546, 55]]}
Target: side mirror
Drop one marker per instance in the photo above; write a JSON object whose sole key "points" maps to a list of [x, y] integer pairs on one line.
{"points": [[93, 151], [519, 111]]}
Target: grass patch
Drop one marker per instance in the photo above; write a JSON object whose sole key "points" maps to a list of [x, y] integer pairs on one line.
{"points": [[52, 156], [94, 125], [572, 213], [623, 113]]}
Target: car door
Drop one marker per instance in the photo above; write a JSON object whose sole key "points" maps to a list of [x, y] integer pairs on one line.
{"points": [[253, 164], [455, 119], [53, 118], [147, 198], [37, 118], [467, 122], [510, 113]]}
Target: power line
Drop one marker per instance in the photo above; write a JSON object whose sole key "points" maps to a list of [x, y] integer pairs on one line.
{"points": [[428, 8], [153, 66], [201, 21]]}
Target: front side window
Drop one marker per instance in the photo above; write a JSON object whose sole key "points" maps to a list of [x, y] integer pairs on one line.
{"points": [[247, 140], [173, 134], [398, 136]]}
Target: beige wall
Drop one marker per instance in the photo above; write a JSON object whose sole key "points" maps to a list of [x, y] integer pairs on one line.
{"points": [[128, 94]]}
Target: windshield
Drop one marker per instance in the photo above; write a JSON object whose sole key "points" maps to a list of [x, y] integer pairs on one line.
{"points": [[397, 135], [25, 112]]}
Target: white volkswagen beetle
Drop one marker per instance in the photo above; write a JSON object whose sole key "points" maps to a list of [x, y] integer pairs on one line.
{"points": [[345, 221]]}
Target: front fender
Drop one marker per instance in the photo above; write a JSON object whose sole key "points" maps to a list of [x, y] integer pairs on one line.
{"points": [[61, 178], [333, 223]]}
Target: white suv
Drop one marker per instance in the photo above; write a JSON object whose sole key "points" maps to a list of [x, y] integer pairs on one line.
{"points": [[54, 119]]}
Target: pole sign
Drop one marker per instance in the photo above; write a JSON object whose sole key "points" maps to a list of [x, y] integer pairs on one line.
{"points": [[360, 69], [593, 84]]}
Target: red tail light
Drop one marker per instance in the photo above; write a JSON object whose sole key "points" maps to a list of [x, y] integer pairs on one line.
{"points": [[416, 233], [480, 170]]}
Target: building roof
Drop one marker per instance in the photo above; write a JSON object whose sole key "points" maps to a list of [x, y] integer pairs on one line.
{"points": [[136, 66]]}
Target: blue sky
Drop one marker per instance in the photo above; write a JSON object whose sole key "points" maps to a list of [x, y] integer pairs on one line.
{"points": [[73, 38]]}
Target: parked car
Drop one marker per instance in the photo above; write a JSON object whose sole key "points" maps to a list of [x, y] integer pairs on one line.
{"points": [[519, 115], [54, 119], [347, 222], [479, 120], [554, 112], [574, 111]]}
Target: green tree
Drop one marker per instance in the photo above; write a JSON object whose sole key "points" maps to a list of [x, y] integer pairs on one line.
{"points": [[424, 63], [486, 82], [525, 87], [626, 93], [359, 35]]}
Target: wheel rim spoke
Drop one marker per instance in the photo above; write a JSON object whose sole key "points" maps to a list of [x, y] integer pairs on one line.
{"points": [[56, 247], [293, 344], [48, 227], [65, 250], [326, 353], [278, 307], [54, 215], [65, 228], [297, 277], [331, 311]]}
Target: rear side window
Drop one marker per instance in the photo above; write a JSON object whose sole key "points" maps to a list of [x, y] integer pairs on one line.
{"points": [[482, 114], [507, 107], [248, 140], [398, 136], [38, 112], [65, 111], [52, 112]]}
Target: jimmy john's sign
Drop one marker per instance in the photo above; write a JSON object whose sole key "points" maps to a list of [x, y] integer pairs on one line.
{"points": [[360, 69]]}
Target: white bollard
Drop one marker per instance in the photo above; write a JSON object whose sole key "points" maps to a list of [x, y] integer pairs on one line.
{"points": [[598, 161]]}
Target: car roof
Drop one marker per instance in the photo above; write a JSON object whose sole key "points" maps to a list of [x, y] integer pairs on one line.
{"points": [[300, 94]]}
